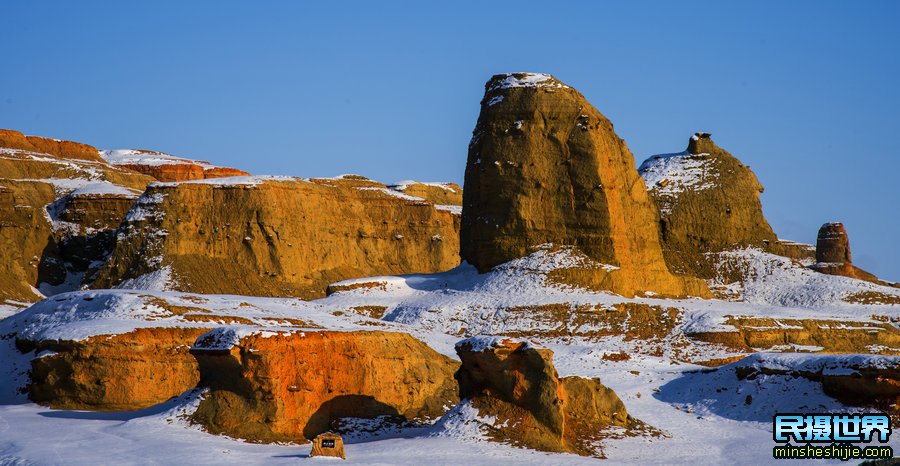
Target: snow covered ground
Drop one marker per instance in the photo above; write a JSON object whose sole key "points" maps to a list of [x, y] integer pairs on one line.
{"points": [[707, 416]]}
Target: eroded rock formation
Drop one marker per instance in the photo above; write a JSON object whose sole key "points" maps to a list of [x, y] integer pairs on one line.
{"points": [[545, 166], [12, 139], [293, 386], [833, 254], [60, 203], [166, 167], [279, 236], [114, 372], [518, 385], [708, 202]]}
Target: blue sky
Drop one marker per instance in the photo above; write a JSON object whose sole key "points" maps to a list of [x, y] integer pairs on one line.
{"points": [[806, 93]]}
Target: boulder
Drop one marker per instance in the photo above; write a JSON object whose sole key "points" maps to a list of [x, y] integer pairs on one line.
{"points": [[544, 166], [278, 236], [517, 384], [294, 386], [166, 167], [708, 201], [833, 254]]}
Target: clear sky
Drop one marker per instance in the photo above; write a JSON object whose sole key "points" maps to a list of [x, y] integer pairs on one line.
{"points": [[806, 93]]}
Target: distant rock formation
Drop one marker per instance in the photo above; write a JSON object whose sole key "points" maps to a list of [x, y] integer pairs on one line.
{"points": [[544, 166], [59, 205], [277, 236], [708, 202], [517, 384], [292, 387], [12, 139], [165, 167], [448, 194], [833, 255]]}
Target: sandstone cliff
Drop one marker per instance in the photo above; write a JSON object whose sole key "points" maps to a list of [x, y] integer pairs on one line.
{"points": [[278, 236], [544, 166], [166, 167], [708, 202], [518, 385], [59, 209], [293, 386]]}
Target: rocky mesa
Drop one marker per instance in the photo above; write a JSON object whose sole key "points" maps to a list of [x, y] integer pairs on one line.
{"points": [[277, 236]]}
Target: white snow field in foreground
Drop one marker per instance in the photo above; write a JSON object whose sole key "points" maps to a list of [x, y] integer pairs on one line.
{"points": [[704, 413]]}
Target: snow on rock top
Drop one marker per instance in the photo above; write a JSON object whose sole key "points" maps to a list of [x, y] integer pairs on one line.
{"points": [[103, 188], [232, 181], [514, 80], [391, 192], [827, 364], [403, 185], [678, 172], [147, 157], [80, 315]]}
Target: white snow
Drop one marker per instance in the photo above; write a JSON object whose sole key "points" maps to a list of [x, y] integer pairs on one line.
{"points": [[233, 181], [671, 174], [403, 185], [148, 158], [534, 80]]}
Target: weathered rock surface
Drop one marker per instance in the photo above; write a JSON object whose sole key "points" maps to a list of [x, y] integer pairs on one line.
{"points": [[279, 236], [114, 373], [833, 254], [59, 209], [545, 166], [449, 194], [166, 167], [12, 139], [293, 386], [112, 350], [708, 202], [518, 385]]}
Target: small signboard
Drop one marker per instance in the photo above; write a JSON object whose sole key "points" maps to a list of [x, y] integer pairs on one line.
{"points": [[328, 444]]}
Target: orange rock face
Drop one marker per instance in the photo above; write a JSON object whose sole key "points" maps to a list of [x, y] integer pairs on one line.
{"points": [[183, 171], [536, 408], [64, 149], [291, 387], [123, 372], [545, 166], [166, 167], [285, 237]]}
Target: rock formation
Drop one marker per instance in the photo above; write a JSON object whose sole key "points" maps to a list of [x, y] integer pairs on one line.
{"points": [[860, 380], [165, 167], [279, 236], [114, 373], [708, 202], [448, 194], [60, 203], [545, 166], [518, 385], [12, 139], [833, 254], [293, 386]]}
